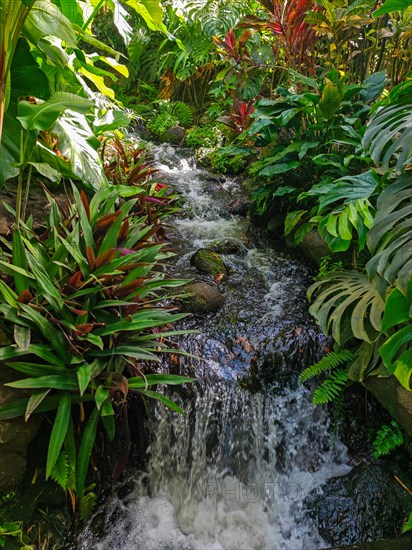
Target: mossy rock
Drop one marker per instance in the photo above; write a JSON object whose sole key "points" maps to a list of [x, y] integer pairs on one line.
{"points": [[204, 298], [174, 135], [314, 247], [208, 262]]}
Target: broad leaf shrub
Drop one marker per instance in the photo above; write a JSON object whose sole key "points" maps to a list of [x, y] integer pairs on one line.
{"points": [[369, 309], [81, 302]]}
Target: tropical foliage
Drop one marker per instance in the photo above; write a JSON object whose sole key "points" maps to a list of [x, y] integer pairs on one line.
{"points": [[311, 99]]}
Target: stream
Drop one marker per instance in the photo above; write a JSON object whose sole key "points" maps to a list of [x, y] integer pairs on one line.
{"points": [[233, 473]]}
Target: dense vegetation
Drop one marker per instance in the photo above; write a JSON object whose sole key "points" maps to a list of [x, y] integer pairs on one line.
{"points": [[311, 99]]}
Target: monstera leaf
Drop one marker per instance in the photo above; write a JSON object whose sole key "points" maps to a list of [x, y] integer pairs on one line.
{"points": [[349, 304], [390, 237], [388, 134]]}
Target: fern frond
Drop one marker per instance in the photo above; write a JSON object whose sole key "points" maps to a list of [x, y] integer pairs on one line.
{"points": [[183, 112], [61, 471], [330, 388], [329, 362], [87, 503]]}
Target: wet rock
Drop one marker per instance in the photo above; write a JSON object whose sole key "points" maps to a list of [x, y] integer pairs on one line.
{"points": [[229, 246], [174, 135], [283, 355], [314, 247], [240, 206], [205, 298], [275, 225], [15, 435], [207, 261], [394, 398], [364, 505]]}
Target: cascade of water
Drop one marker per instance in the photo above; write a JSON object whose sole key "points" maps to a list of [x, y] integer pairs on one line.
{"points": [[231, 474]]}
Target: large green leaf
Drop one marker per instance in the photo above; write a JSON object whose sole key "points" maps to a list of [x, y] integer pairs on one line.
{"points": [[390, 237], [330, 100], [388, 134], [373, 86], [396, 353], [151, 11], [42, 116], [349, 189], [45, 19], [391, 6], [349, 304], [75, 134]]}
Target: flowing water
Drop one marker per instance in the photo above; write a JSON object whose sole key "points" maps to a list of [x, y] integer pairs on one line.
{"points": [[233, 473]]}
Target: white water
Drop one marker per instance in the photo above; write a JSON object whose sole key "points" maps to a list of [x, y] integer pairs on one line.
{"points": [[234, 472]]}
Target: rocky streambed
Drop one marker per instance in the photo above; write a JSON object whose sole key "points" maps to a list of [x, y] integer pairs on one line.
{"points": [[252, 464]]}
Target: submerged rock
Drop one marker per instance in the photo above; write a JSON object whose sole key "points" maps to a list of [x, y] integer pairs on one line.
{"points": [[205, 298], [364, 505], [207, 261]]}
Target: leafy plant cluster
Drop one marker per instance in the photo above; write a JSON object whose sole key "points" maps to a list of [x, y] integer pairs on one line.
{"points": [[84, 299]]}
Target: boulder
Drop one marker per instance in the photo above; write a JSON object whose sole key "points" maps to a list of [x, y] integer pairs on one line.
{"points": [[174, 135], [240, 206], [314, 247], [229, 246], [364, 505], [208, 262], [15, 435], [204, 298], [394, 397]]}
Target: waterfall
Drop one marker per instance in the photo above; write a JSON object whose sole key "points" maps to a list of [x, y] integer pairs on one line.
{"points": [[233, 472]]}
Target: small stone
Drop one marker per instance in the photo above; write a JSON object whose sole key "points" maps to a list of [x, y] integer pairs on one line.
{"points": [[204, 298]]}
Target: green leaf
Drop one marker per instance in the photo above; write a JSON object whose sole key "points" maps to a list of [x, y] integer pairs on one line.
{"points": [[42, 116], [83, 377], [50, 333], [60, 425], [349, 189], [292, 219], [74, 134], [330, 100], [46, 285], [22, 336], [86, 447], [19, 258], [44, 20], [56, 382], [391, 6], [34, 401], [165, 400], [151, 379], [397, 309], [101, 395], [373, 86]]}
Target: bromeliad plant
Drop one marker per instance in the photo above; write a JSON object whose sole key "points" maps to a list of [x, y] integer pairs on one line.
{"points": [[81, 303]]}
